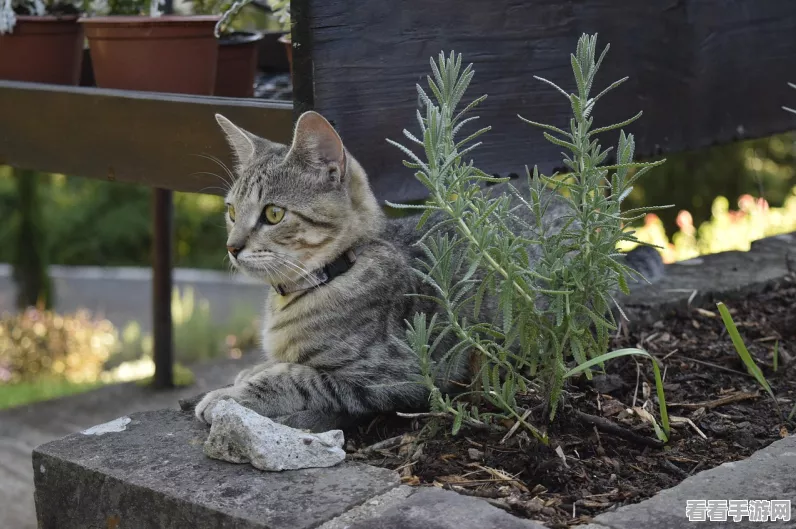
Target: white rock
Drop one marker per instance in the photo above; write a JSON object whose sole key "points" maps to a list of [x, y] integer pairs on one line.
{"points": [[116, 425], [240, 435]]}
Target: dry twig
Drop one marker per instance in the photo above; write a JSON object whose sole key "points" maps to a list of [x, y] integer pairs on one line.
{"points": [[613, 428], [709, 405]]}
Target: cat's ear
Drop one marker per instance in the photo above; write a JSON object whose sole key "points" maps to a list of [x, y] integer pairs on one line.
{"points": [[241, 141], [316, 143]]}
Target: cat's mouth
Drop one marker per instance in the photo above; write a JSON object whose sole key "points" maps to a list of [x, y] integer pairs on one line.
{"points": [[270, 267]]}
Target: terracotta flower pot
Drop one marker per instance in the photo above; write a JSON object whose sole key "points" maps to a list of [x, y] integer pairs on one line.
{"points": [[163, 54], [46, 49], [285, 39], [237, 64]]}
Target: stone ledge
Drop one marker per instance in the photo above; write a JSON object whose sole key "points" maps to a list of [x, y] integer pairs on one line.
{"points": [[148, 471], [711, 278], [432, 508], [768, 474], [153, 474]]}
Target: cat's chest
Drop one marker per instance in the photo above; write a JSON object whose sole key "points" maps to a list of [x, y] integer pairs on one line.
{"points": [[276, 342], [282, 330]]}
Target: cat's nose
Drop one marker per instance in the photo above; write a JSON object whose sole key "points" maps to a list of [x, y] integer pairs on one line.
{"points": [[234, 250]]}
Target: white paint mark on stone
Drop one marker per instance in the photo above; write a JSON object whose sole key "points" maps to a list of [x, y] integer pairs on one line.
{"points": [[690, 262], [116, 425], [42, 469]]}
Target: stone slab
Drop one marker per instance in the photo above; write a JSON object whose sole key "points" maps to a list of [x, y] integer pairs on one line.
{"points": [[712, 278], [432, 508], [769, 474], [153, 474], [25, 427], [372, 508]]}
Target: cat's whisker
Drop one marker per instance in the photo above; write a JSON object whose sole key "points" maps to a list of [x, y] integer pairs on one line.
{"points": [[209, 188], [226, 182], [275, 269], [220, 164], [296, 266]]}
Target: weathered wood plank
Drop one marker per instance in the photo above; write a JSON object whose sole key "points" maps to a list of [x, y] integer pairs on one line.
{"points": [[144, 138], [703, 71]]}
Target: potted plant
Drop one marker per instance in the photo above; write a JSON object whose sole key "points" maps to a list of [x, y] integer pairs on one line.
{"points": [[237, 51], [40, 41], [134, 47], [281, 10]]}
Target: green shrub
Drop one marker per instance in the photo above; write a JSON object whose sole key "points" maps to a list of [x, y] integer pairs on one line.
{"points": [[38, 344], [578, 270]]}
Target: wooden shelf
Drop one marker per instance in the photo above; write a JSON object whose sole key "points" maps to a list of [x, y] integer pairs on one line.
{"points": [[118, 135]]}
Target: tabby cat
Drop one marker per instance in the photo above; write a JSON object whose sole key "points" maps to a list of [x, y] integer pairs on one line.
{"points": [[303, 219]]}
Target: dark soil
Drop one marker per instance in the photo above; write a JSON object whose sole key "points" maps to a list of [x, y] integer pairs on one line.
{"points": [[705, 381]]}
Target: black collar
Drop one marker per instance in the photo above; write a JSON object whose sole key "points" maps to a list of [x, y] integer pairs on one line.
{"points": [[321, 276]]}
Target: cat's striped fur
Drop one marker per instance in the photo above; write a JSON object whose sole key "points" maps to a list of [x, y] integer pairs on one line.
{"points": [[329, 356]]}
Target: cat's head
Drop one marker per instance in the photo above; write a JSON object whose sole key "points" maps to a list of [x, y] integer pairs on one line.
{"points": [[292, 210]]}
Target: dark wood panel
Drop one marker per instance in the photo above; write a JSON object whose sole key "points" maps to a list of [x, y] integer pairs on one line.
{"points": [[703, 71], [145, 138]]}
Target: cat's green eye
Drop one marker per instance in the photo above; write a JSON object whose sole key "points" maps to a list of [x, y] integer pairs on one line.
{"points": [[273, 214], [231, 212]]}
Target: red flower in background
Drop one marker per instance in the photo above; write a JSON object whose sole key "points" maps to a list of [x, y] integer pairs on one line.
{"points": [[685, 222]]}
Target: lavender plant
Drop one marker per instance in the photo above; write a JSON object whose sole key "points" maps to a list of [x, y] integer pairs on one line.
{"points": [[578, 271]]}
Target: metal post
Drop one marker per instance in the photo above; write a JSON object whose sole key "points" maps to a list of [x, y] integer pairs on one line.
{"points": [[162, 237]]}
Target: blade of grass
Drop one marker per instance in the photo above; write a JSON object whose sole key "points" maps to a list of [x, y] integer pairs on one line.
{"points": [[662, 435], [743, 352]]}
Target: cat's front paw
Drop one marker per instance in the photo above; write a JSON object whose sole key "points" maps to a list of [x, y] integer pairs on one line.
{"points": [[204, 409], [244, 375]]}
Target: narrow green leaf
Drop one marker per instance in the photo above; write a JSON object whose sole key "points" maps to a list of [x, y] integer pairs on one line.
{"points": [[743, 352]]}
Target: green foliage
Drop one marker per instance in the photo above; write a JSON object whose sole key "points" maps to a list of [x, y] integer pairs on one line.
{"points": [[748, 361], [46, 355], [95, 223], [41, 389], [182, 377], [122, 7], [663, 434], [209, 7], [482, 256], [197, 336], [38, 344], [34, 287], [280, 10]]}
